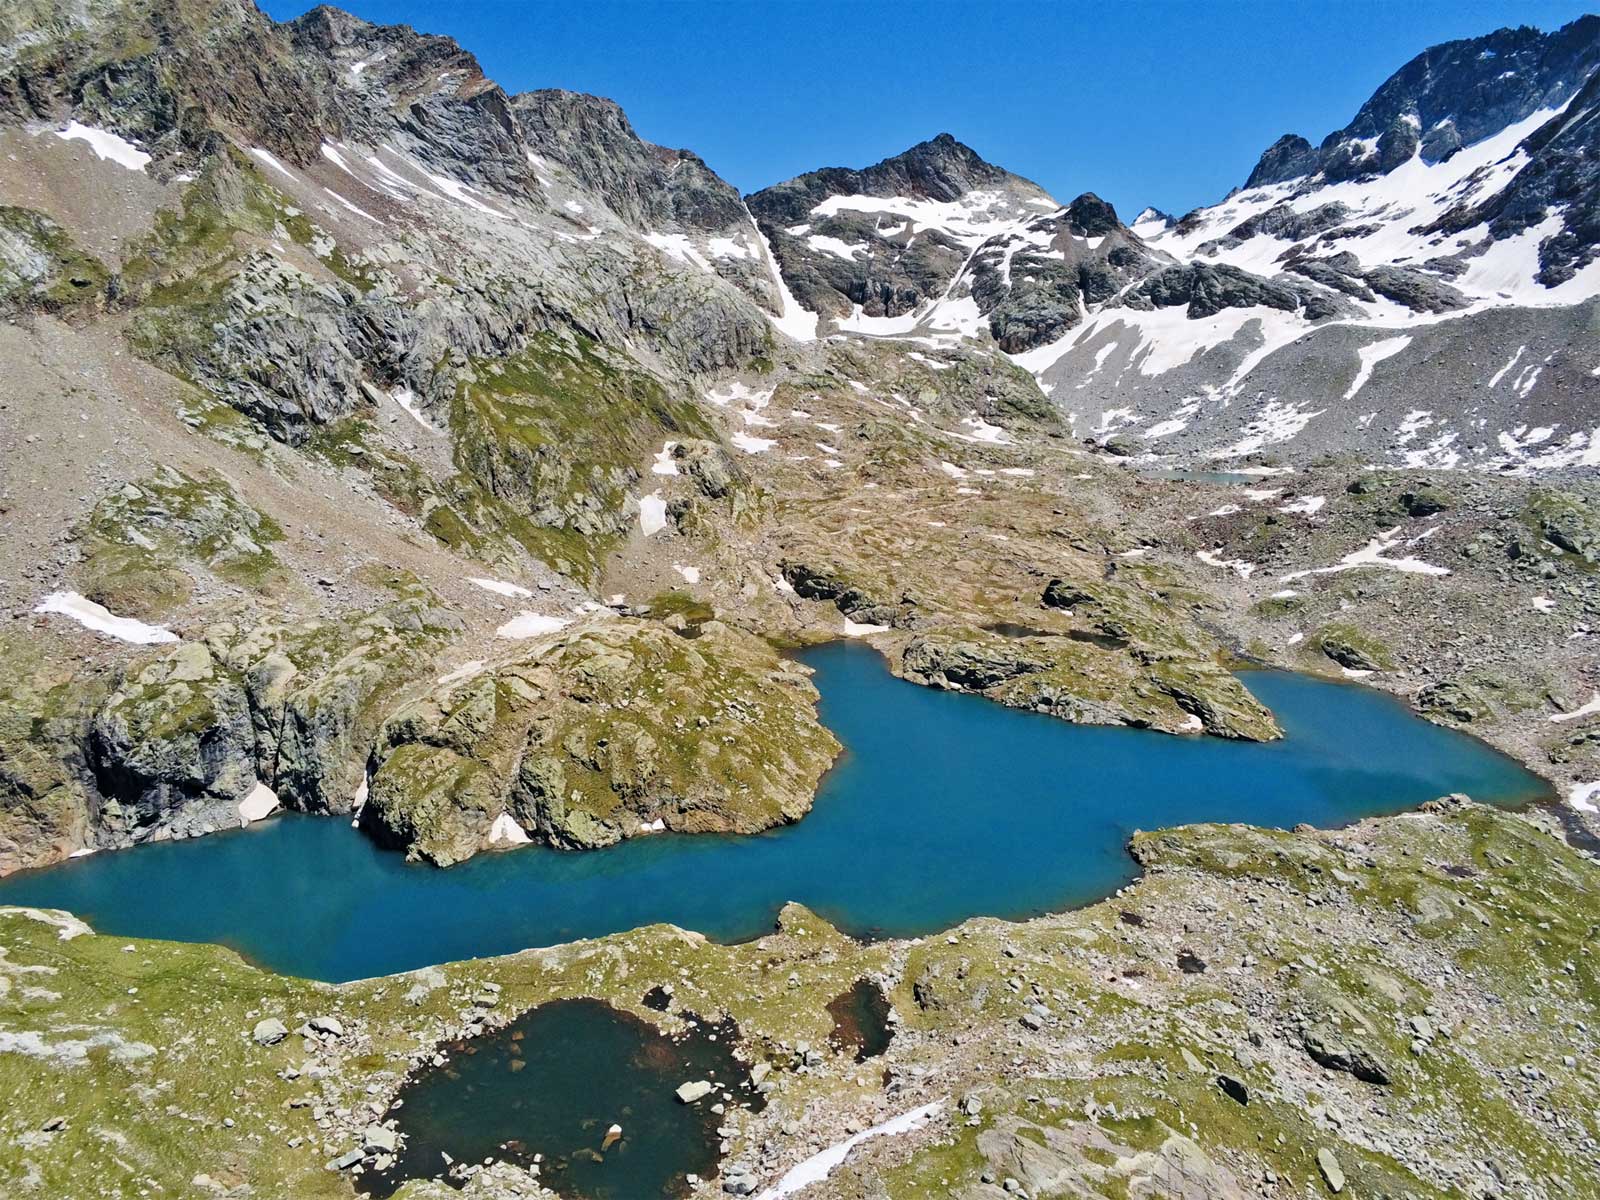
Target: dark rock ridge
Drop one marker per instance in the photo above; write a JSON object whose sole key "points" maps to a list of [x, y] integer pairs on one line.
{"points": [[1447, 97], [652, 188]]}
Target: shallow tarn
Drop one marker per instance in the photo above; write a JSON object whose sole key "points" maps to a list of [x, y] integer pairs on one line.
{"points": [[944, 806], [548, 1090], [861, 1020]]}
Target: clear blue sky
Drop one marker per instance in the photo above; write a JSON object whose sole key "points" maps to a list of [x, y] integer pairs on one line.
{"points": [[1143, 101]]}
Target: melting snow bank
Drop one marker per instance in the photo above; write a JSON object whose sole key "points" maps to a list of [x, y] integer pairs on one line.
{"points": [[1213, 558], [100, 619], [652, 514], [1592, 707], [499, 588], [261, 802], [1372, 555], [530, 625], [793, 320], [861, 628], [1583, 797], [820, 1165], [106, 145], [407, 399], [1371, 356], [506, 830]]}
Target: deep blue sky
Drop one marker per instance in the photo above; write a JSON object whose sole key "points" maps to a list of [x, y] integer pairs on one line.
{"points": [[1143, 101]]}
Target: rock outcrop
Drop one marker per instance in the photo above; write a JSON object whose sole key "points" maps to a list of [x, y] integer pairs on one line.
{"points": [[605, 732]]}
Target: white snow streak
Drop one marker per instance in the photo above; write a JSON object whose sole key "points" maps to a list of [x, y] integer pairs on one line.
{"points": [[100, 619]]}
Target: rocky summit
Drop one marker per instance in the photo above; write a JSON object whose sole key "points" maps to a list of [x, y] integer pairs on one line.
{"points": [[384, 448]]}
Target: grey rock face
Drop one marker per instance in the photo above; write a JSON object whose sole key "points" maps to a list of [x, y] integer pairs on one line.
{"points": [[899, 261], [176, 733], [1327, 1045], [1035, 283], [1448, 96]]}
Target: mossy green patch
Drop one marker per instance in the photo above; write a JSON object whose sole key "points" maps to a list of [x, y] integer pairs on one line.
{"points": [[138, 540], [42, 268]]}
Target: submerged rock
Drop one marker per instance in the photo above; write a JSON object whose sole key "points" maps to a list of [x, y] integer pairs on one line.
{"points": [[689, 1093]]}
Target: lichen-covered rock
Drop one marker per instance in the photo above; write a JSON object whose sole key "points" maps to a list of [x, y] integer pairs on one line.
{"points": [[1093, 678], [173, 745], [139, 539], [1351, 649], [1337, 1050], [1568, 522], [433, 803], [599, 734], [46, 810], [1080, 1159], [1452, 700], [42, 270]]}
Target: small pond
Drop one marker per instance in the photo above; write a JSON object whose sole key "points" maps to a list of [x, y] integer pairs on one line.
{"points": [[588, 1089], [861, 1020], [944, 806]]}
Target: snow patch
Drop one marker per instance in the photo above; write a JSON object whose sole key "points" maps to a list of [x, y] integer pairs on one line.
{"points": [[1213, 558], [100, 619], [505, 831], [792, 320], [530, 625], [500, 587], [862, 628], [106, 145], [1373, 555], [1370, 357], [407, 399], [1306, 504], [652, 514], [261, 802], [752, 445], [822, 1164], [1583, 796], [1592, 707]]}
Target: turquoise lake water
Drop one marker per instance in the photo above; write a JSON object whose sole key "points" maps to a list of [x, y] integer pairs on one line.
{"points": [[944, 806]]}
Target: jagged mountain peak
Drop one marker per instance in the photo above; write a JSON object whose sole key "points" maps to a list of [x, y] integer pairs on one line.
{"points": [[1093, 216], [941, 169], [1449, 96]]}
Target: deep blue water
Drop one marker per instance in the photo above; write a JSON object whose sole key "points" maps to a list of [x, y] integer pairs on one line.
{"points": [[945, 806]]}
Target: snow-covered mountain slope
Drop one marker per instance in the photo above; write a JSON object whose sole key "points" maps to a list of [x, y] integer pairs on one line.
{"points": [[874, 251], [1451, 228]]}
